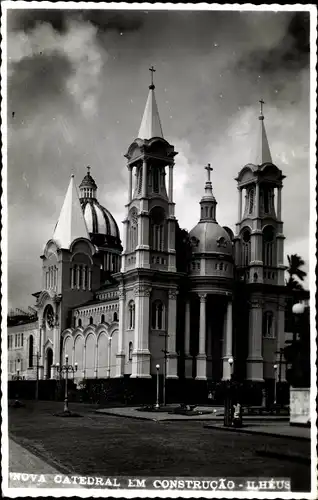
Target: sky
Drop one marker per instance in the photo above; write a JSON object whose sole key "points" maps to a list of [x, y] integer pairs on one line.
{"points": [[76, 91]]}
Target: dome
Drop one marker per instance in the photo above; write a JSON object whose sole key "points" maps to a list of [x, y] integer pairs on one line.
{"points": [[210, 237], [98, 219]]}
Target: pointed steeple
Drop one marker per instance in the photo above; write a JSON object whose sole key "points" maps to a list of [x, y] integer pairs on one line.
{"points": [[150, 124], [71, 223], [263, 154], [208, 202]]}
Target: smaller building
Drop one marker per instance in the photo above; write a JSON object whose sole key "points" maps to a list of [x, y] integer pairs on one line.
{"points": [[23, 344]]}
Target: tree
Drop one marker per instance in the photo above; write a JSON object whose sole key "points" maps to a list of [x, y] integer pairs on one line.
{"points": [[183, 249], [295, 262]]}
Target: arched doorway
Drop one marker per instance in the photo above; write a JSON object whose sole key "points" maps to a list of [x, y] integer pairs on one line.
{"points": [[49, 362]]}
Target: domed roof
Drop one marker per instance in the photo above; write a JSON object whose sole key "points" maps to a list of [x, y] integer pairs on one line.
{"points": [[98, 219], [210, 237]]}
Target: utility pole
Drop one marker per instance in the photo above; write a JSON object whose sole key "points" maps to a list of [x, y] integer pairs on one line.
{"points": [[165, 352], [37, 376]]}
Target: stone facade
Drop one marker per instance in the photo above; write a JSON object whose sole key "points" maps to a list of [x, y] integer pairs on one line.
{"points": [[122, 319]]}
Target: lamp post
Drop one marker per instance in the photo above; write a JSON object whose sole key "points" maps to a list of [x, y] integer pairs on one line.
{"points": [[157, 400], [66, 369], [228, 398], [298, 309], [275, 384]]}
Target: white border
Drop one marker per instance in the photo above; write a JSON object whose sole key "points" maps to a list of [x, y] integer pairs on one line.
{"points": [[21, 492]]}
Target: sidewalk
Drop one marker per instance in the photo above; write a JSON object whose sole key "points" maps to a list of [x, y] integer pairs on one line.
{"points": [[215, 415], [22, 461], [276, 429]]}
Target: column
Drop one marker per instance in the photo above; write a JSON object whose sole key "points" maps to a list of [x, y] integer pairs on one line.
{"points": [[171, 183], [254, 367], [129, 183], [201, 357], [84, 270], [56, 342], [120, 356], [227, 342], [187, 358], [72, 278], [172, 357], [257, 200], [141, 354], [84, 359], [239, 204], [78, 277], [279, 203], [89, 279], [144, 178]]}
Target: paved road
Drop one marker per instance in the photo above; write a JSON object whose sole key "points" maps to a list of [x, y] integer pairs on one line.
{"points": [[23, 461]]}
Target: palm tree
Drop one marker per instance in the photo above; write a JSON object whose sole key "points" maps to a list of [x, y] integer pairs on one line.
{"points": [[295, 262]]}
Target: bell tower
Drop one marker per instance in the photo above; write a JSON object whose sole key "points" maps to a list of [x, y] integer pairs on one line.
{"points": [[148, 278], [150, 225], [259, 255]]}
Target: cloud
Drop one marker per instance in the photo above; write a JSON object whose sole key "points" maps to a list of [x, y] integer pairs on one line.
{"points": [[40, 47]]}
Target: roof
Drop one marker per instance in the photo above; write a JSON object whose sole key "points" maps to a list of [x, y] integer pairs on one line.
{"points": [[150, 124], [263, 154], [71, 223]]}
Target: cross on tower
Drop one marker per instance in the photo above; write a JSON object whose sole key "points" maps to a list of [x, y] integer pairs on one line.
{"points": [[88, 169], [152, 69], [261, 103], [209, 169]]}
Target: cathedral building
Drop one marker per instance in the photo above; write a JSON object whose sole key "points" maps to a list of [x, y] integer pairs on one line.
{"points": [[204, 305]]}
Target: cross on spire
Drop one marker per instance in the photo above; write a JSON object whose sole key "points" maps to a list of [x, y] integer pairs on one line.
{"points": [[152, 70], [261, 103], [209, 169], [88, 170]]}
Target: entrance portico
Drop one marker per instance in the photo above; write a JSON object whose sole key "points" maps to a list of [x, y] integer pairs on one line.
{"points": [[208, 335]]}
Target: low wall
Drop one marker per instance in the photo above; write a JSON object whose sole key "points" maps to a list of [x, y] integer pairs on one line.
{"points": [[299, 406]]}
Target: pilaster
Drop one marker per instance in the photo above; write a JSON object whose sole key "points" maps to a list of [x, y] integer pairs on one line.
{"points": [[120, 356], [141, 354], [281, 335], [172, 357], [255, 359], [228, 342], [201, 357]]}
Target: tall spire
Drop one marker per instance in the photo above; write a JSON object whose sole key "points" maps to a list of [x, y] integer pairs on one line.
{"points": [[263, 154], [150, 124], [208, 202], [71, 223]]}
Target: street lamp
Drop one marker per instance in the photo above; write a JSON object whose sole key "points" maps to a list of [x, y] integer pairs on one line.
{"points": [[66, 369], [230, 362], [275, 383], [297, 309], [228, 397], [157, 401]]}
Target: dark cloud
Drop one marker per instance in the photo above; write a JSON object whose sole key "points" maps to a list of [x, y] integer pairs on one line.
{"points": [[34, 82], [291, 53], [58, 19]]}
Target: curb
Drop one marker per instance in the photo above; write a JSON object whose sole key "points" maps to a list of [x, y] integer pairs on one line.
{"points": [[293, 457], [260, 433]]}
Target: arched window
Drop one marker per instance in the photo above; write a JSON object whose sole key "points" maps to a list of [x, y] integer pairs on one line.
{"points": [[130, 351], [251, 201], [133, 230], [268, 325], [155, 180], [268, 246], [31, 342], [91, 320], [102, 319], [246, 247], [79, 323], [140, 180], [157, 322], [157, 239], [131, 315], [115, 316]]}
